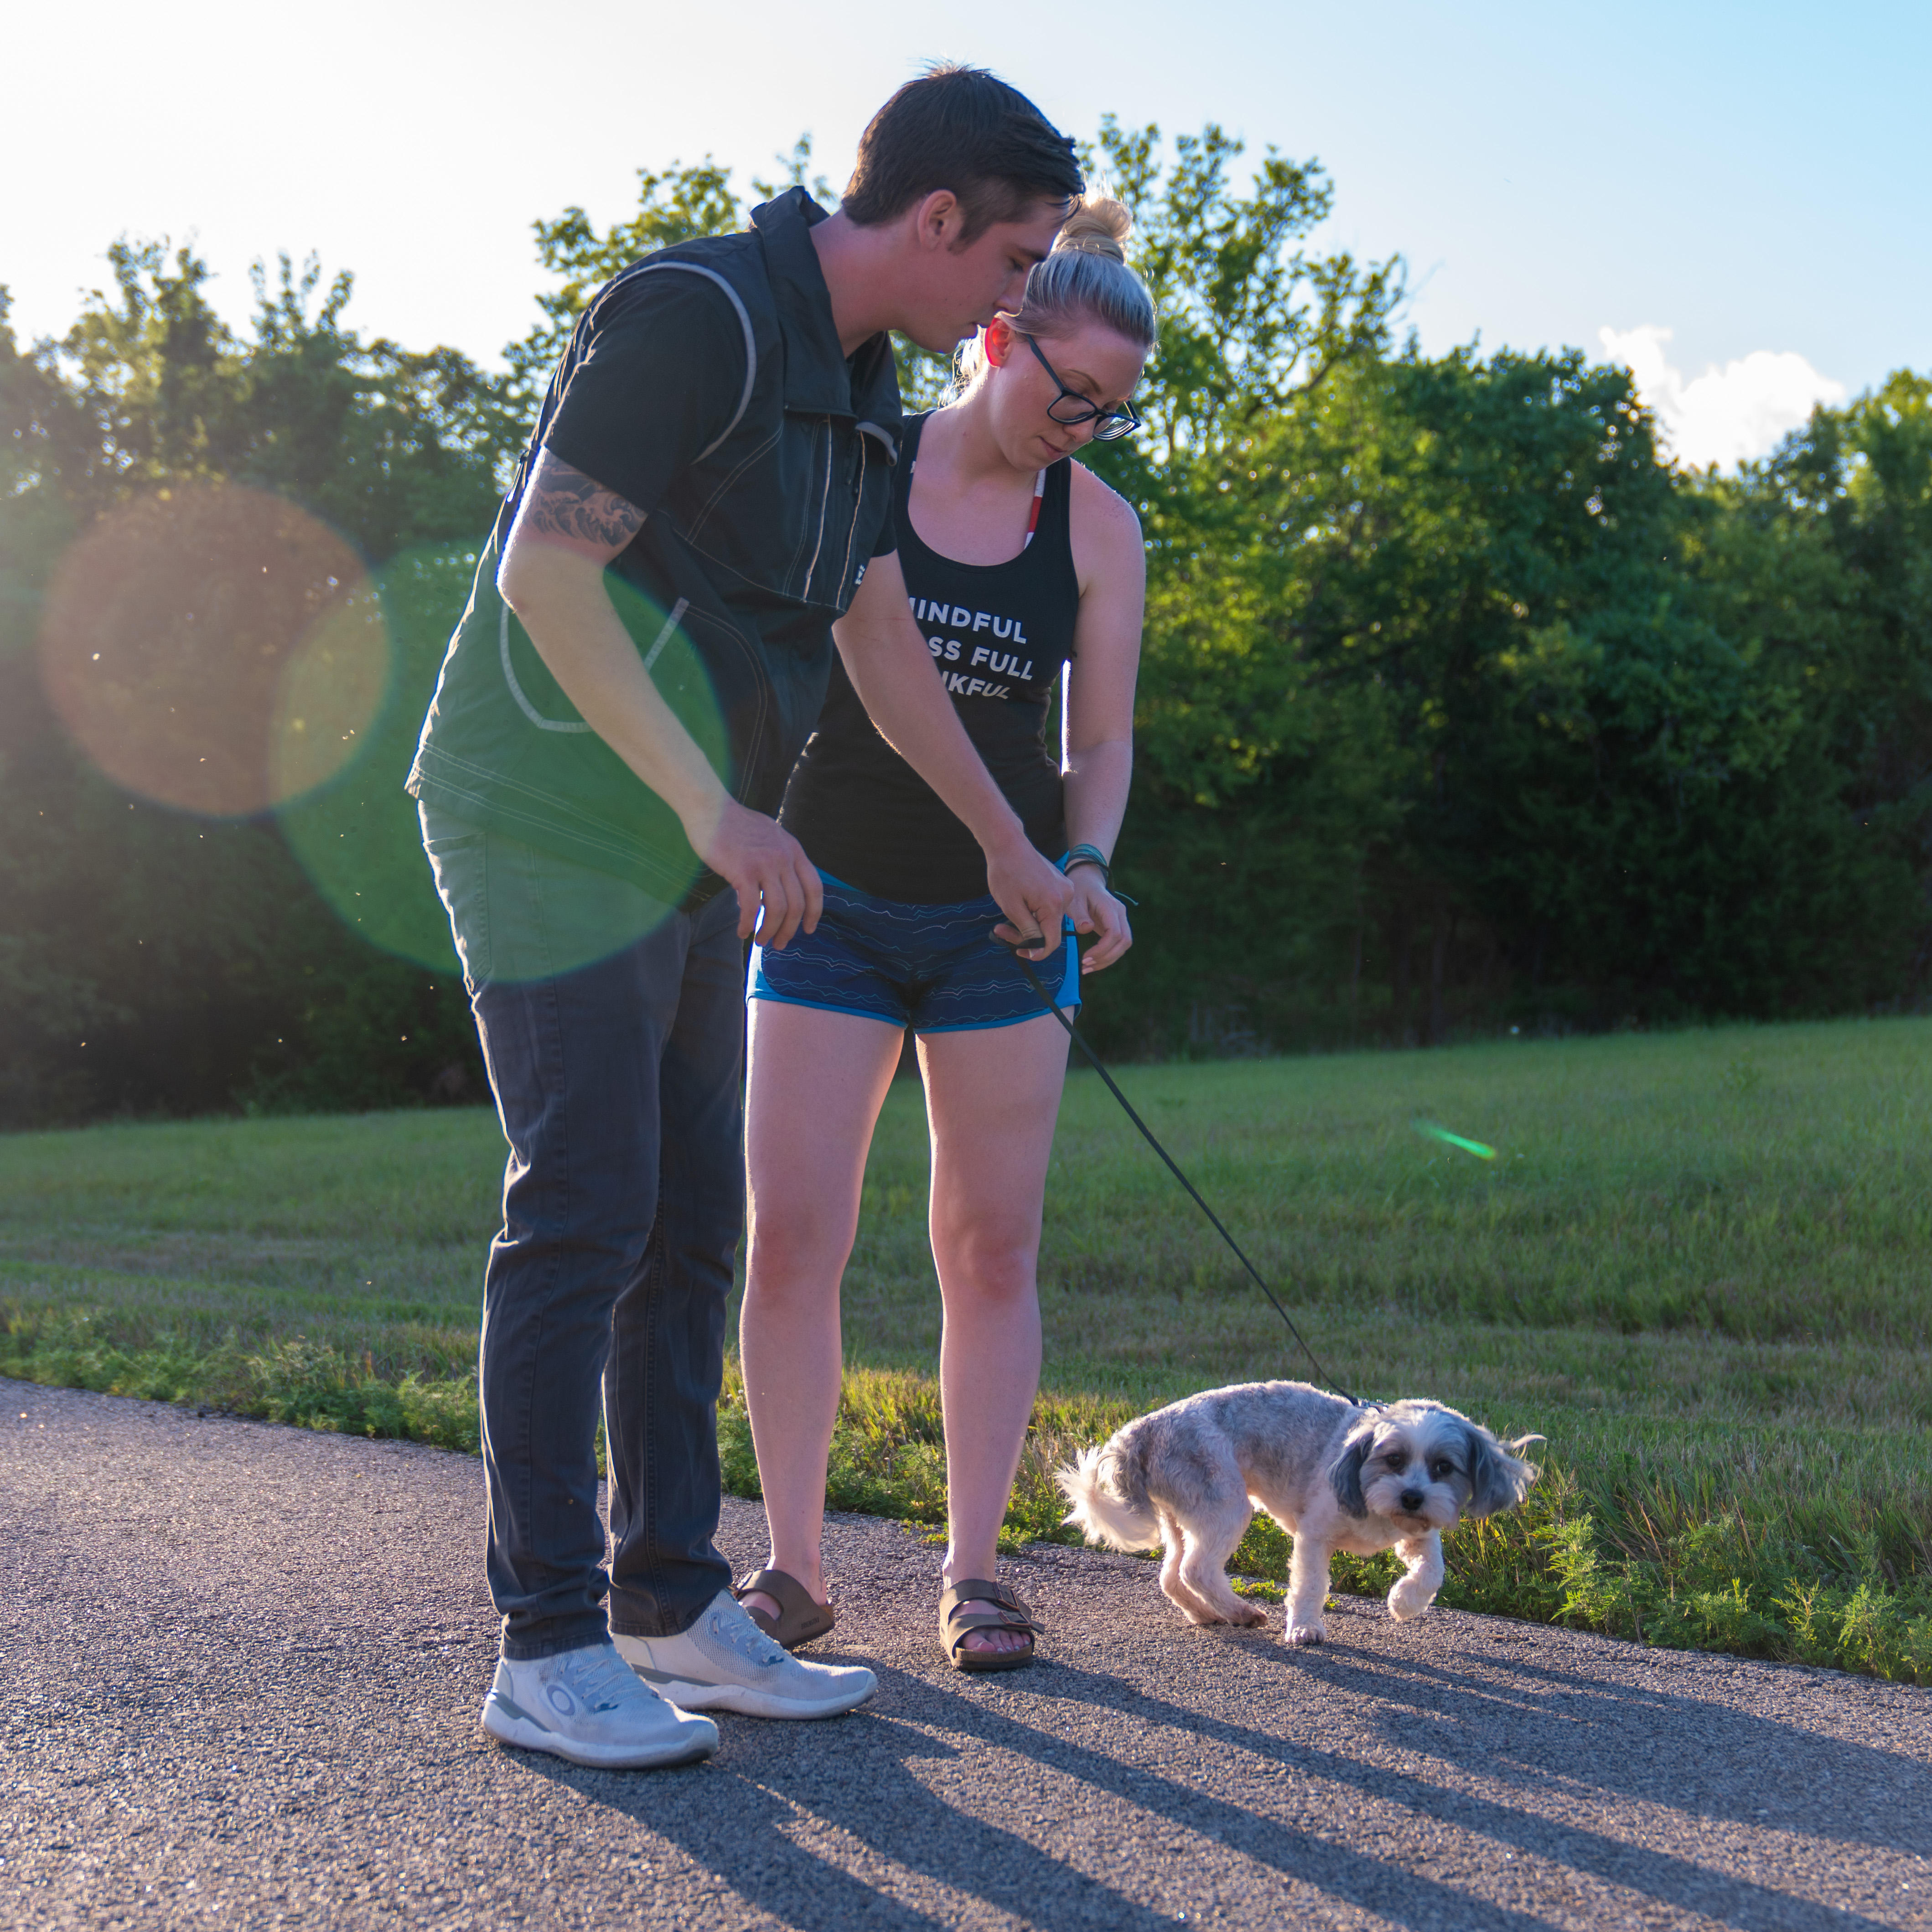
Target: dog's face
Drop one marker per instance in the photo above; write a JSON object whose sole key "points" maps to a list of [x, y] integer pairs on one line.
{"points": [[1424, 1467]]}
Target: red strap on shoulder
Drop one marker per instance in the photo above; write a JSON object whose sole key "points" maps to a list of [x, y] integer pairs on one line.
{"points": [[1032, 515]]}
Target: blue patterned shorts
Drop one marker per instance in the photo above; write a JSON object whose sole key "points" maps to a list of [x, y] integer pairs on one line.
{"points": [[935, 968]]}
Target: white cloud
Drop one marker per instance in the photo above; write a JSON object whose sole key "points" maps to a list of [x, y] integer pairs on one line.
{"points": [[1726, 415]]}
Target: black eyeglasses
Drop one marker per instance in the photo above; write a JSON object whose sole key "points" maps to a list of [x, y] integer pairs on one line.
{"points": [[1070, 409]]}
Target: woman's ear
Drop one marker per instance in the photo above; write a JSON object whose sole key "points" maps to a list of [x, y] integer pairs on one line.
{"points": [[998, 341]]}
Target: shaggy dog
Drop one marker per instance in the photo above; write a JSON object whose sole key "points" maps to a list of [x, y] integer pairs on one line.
{"points": [[1335, 1474]]}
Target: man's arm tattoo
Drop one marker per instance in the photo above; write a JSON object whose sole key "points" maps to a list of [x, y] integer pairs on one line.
{"points": [[565, 502]]}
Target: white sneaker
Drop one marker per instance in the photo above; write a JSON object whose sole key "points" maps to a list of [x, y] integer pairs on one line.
{"points": [[725, 1662], [587, 1705]]}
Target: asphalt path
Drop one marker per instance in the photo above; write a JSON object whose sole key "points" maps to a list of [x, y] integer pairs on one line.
{"points": [[240, 1668]]}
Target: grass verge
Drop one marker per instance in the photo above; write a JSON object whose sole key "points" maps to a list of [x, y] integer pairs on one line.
{"points": [[1698, 1267]]}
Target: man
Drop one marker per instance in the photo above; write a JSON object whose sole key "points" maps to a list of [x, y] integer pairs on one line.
{"points": [[703, 506]]}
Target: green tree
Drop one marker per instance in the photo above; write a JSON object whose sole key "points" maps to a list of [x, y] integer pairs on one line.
{"points": [[151, 959], [1458, 704], [1620, 788], [1248, 320], [150, 388], [1821, 557], [1257, 786], [1439, 723]]}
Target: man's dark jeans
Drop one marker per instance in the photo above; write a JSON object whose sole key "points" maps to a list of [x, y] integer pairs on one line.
{"points": [[612, 1027]]}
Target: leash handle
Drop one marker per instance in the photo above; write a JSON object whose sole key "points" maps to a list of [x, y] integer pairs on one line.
{"points": [[1146, 1134]]}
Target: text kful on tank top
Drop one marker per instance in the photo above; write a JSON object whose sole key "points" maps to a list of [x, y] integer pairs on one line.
{"points": [[994, 664]]}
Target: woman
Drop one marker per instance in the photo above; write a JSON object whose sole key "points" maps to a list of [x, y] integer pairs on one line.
{"points": [[1017, 561]]}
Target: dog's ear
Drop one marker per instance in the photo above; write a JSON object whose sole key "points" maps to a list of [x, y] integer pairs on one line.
{"points": [[1499, 1480], [1344, 1473]]}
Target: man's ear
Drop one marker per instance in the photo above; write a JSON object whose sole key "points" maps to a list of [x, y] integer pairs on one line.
{"points": [[998, 341], [938, 219]]}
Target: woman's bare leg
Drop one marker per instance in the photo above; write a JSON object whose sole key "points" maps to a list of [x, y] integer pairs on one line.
{"points": [[815, 1082], [992, 1097]]}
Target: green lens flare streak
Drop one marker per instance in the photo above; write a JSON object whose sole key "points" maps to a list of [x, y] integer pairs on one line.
{"points": [[1429, 1131]]}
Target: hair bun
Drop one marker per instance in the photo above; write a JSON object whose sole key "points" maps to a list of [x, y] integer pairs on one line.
{"points": [[1095, 225]]}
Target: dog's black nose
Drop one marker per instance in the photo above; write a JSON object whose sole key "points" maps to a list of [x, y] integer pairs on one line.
{"points": [[1411, 1500]]}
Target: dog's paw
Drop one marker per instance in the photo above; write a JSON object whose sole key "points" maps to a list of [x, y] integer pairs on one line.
{"points": [[1305, 1633], [1409, 1600], [1249, 1617]]}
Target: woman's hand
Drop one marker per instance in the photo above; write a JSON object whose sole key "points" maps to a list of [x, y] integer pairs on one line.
{"points": [[1095, 909]]}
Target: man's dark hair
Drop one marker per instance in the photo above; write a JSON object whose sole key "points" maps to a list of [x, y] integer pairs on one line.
{"points": [[958, 127]]}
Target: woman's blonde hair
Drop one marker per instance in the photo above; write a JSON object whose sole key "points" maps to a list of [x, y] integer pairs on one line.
{"points": [[1085, 279]]}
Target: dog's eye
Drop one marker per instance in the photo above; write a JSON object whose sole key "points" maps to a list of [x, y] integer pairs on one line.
{"points": [[1397, 1460], [1440, 1470]]}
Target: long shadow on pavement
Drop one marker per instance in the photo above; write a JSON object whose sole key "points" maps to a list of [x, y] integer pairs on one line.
{"points": [[741, 1823], [1788, 1765], [859, 1780], [1678, 1882]]}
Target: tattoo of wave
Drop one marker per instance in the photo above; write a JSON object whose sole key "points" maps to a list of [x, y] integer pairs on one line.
{"points": [[566, 503]]}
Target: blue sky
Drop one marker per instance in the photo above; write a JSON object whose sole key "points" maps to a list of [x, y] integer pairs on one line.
{"points": [[1752, 179]]}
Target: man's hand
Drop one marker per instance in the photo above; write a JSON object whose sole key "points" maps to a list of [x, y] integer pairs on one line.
{"points": [[778, 888], [1033, 894]]}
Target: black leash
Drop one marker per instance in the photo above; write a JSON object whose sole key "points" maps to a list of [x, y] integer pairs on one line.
{"points": [[1046, 1000]]}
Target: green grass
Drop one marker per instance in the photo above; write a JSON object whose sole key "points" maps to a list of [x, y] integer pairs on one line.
{"points": [[1701, 1265]]}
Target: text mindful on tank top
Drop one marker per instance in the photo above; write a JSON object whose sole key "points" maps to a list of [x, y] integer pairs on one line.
{"points": [[1004, 654]]}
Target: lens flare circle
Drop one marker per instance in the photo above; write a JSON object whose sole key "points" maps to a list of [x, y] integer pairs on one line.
{"points": [[215, 649], [357, 836]]}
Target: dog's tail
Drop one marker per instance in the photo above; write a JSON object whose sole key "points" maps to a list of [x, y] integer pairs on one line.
{"points": [[1108, 1503]]}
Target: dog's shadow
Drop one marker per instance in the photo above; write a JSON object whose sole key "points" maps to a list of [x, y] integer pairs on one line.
{"points": [[1603, 1742], [1562, 1723], [1649, 1743]]}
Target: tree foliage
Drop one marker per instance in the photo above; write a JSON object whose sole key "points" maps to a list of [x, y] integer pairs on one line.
{"points": [[1458, 702], [151, 959], [1459, 707]]}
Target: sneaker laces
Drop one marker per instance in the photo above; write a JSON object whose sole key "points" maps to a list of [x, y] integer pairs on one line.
{"points": [[741, 1634], [605, 1681]]}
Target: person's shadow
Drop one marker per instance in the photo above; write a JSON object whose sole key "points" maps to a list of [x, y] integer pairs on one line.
{"points": [[749, 1817]]}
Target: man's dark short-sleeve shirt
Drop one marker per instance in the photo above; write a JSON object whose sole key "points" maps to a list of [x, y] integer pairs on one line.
{"points": [[655, 380], [707, 386], [619, 420]]}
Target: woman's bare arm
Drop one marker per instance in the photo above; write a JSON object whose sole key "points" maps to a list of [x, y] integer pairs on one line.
{"points": [[1097, 730]]}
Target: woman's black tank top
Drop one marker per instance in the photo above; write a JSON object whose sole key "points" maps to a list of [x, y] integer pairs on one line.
{"points": [[999, 633]]}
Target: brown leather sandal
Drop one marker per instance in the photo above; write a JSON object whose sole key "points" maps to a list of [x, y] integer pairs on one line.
{"points": [[800, 1619], [956, 1624]]}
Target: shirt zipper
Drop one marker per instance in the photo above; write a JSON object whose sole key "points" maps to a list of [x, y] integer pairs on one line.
{"points": [[858, 504], [824, 498]]}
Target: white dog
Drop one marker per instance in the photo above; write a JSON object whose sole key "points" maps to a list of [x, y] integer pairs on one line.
{"points": [[1335, 1474]]}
